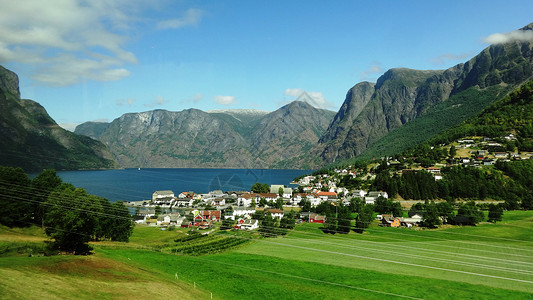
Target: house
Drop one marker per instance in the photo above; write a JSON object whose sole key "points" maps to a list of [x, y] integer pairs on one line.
{"points": [[395, 222], [433, 170], [500, 154], [189, 195], [249, 224], [158, 195], [377, 194], [269, 196], [183, 202], [219, 202], [240, 211], [315, 218], [409, 222], [324, 196], [216, 194], [186, 224], [359, 193], [276, 213], [287, 192], [240, 221], [213, 215]]}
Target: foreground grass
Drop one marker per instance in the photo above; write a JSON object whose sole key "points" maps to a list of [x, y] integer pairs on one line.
{"points": [[247, 276], [85, 277], [489, 261]]}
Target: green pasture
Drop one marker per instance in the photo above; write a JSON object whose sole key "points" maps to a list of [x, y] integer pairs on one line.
{"points": [[488, 261]]}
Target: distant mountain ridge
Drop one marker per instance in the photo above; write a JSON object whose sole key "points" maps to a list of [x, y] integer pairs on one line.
{"points": [[31, 139], [406, 107], [217, 139]]}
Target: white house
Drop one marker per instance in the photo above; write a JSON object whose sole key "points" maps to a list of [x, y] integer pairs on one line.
{"points": [[250, 224], [276, 213], [157, 195], [359, 193], [240, 211]]}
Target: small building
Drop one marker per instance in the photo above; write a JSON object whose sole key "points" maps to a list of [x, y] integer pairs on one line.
{"points": [[249, 224], [316, 218], [159, 195], [276, 213]]}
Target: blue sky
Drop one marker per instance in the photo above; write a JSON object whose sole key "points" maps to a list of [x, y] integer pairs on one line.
{"points": [[96, 60]]}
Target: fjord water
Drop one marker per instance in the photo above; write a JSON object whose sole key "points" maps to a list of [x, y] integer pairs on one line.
{"points": [[139, 184]]}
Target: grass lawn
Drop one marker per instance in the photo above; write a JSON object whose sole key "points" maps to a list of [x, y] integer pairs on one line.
{"points": [[488, 261]]}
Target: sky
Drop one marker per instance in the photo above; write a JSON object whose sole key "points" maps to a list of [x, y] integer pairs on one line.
{"points": [[96, 60]]}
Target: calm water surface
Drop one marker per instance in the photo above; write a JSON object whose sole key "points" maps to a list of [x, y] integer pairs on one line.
{"points": [[134, 184]]}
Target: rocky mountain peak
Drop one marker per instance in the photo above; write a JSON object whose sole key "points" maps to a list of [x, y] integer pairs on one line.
{"points": [[9, 82]]}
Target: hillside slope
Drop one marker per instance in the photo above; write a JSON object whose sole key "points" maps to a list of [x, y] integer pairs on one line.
{"points": [[406, 107], [31, 139]]}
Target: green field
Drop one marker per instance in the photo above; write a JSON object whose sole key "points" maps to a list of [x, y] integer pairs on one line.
{"points": [[488, 261]]}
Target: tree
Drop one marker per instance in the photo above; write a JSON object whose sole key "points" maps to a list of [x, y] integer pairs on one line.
{"points": [[121, 225], [305, 204], [16, 206], [364, 218], [280, 191], [157, 211], [267, 226], [227, 223], [330, 226], [471, 212], [71, 219], [452, 151], [344, 218], [287, 221], [260, 188], [356, 204], [431, 215], [41, 186], [495, 213], [279, 203]]}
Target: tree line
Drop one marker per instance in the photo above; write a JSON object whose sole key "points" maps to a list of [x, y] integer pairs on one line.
{"points": [[508, 181], [70, 216]]}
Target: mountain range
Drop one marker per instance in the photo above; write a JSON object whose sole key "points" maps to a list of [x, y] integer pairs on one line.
{"points": [[216, 139], [403, 108], [406, 107]]}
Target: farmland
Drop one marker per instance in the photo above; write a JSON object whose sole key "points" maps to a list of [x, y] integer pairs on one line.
{"points": [[488, 261]]}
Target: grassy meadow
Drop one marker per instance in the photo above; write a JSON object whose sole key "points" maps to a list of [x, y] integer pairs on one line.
{"points": [[488, 261]]}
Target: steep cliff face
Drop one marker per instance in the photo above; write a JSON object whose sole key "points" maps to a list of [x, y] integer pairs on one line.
{"points": [[220, 139], [404, 96], [31, 139]]}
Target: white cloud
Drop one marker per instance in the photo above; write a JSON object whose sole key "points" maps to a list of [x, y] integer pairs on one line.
{"points": [[65, 42], [224, 100], [373, 71], [501, 38], [158, 101], [191, 17], [442, 59], [315, 99], [69, 126], [129, 102]]}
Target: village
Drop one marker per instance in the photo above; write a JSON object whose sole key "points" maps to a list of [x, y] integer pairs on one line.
{"points": [[203, 211]]}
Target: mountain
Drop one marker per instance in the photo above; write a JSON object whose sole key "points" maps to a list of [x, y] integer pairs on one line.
{"points": [[31, 139], [406, 107], [217, 139]]}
